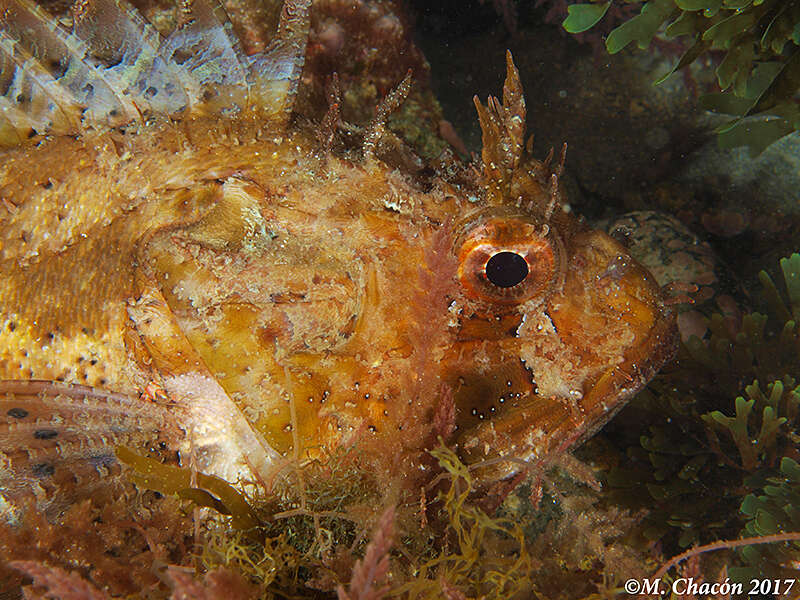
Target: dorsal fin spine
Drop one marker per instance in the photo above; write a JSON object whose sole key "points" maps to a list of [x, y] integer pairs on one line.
{"points": [[9, 135], [118, 34], [114, 67], [44, 39], [219, 62], [51, 107], [275, 74]]}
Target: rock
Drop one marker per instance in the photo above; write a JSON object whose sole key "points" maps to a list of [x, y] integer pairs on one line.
{"points": [[685, 265]]}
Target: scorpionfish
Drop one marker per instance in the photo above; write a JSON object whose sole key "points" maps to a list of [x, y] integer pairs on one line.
{"points": [[185, 269]]}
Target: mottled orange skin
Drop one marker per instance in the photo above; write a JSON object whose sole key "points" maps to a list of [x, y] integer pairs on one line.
{"points": [[290, 302]]}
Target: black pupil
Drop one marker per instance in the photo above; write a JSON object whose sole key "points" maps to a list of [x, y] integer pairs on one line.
{"points": [[506, 269]]}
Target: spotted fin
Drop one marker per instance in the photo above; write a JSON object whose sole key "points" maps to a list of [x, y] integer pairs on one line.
{"points": [[80, 86], [33, 100], [114, 67], [128, 47], [57, 440], [214, 66]]}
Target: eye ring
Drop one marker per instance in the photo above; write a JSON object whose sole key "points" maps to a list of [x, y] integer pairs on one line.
{"points": [[510, 260]]}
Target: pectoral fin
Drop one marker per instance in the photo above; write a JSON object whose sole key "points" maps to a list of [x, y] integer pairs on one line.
{"points": [[57, 440]]}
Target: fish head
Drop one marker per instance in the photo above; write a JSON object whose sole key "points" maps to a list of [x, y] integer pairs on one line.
{"points": [[557, 327], [557, 324], [345, 306]]}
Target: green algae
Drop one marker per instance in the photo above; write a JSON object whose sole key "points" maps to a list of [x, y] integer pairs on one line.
{"points": [[773, 509], [584, 16], [720, 427], [757, 37], [487, 557]]}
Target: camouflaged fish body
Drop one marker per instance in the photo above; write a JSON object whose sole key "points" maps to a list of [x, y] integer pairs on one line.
{"points": [[111, 69], [188, 258]]}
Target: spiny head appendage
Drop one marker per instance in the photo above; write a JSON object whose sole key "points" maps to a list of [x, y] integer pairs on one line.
{"points": [[503, 133], [388, 105], [505, 154], [554, 177], [326, 134]]}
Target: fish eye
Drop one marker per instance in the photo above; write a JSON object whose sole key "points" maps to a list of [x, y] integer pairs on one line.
{"points": [[509, 260], [506, 269]]}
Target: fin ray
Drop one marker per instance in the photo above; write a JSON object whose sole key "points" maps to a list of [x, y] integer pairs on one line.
{"points": [[209, 52], [30, 87], [275, 74], [64, 57], [122, 39], [114, 67], [57, 440]]}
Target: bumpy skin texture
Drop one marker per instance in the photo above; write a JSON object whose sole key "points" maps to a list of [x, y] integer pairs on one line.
{"points": [[288, 302]]}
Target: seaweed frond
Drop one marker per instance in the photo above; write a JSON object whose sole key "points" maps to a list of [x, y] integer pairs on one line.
{"points": [[118, 547], [57, 583], [369, 573], [759, 74], [483, 556], [756, 425], [208, 491], [720, 423], [215, 585], [748, 542], [774, 511]]}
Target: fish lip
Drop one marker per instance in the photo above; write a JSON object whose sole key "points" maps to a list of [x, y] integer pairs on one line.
{"points": [[658, 349]]}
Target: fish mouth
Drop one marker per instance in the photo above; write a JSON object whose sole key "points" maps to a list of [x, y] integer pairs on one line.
{"points": [[552, 419], [621, 382]]}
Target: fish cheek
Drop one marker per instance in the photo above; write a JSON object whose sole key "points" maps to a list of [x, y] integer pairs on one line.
{"points": [[259, 319], [500, 413], [487, 384], [607, 305], [482, 397]]}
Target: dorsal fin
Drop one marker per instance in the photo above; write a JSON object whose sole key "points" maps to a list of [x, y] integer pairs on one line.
{"points": [[120, 38], [275, 74], [114, 67], [9, 134], [209, 52], [40, 103], [83, 85]]}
